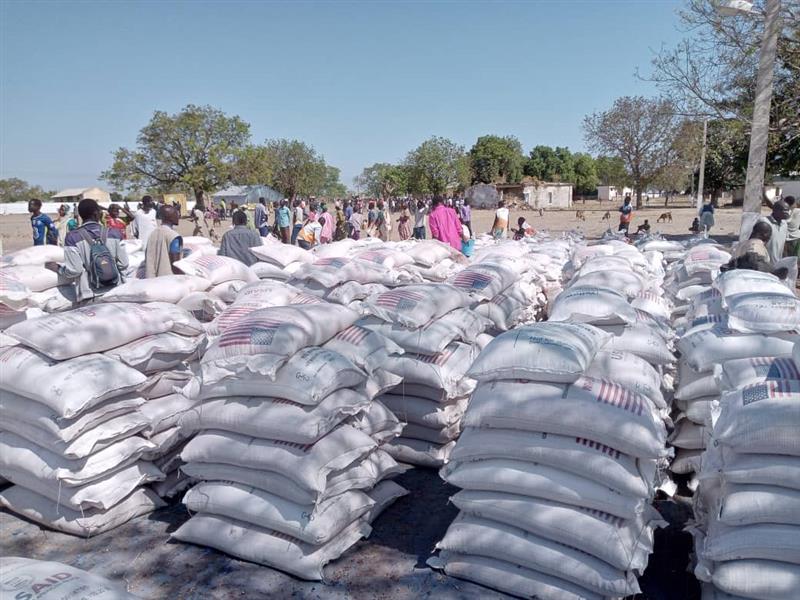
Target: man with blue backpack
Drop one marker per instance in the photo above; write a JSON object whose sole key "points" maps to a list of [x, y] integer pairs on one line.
{"points": [[94, 258]]}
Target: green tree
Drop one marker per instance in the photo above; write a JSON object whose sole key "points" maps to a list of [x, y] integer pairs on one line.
{"points": [[193, 149], [14, 189], [726, 157], [611, 171], [551, 164], [713, 73], [542, 164], [332, 187], [585, 173], [436, 166], [383, 180], [641, 131], [298, 170], [254, 165], [495, 159]]}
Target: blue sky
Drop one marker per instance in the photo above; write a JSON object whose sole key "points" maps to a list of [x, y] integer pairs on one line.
{"points": [[362, 82]]}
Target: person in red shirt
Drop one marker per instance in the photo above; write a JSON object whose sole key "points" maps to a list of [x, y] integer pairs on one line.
{"points": [[115, 222]]}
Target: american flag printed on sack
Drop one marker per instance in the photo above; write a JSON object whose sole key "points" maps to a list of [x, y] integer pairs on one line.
{"points": [[234, 314], [303, 298], [353, 335], [332, 262], [302, 447], [376, 256], [780, 368], [254, 331], [399, 299], [769, 389], [471, 280], [603, 516], [615, 395], [433, 359], [602, 448]]}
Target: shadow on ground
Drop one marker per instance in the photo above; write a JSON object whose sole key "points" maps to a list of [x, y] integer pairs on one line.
{"points": [[390, 565]]}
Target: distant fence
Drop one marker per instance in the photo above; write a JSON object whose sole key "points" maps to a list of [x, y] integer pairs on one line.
{"points": [[51, 208]]}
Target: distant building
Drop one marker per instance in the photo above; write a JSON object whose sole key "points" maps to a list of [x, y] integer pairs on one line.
{"points": [[611, 193], [536, 194], [246, 194], [73, 195]]}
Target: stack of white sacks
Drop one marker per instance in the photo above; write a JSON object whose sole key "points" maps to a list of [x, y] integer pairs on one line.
{"points": [[169, 361], [563, 442], [437, 331], [695, 309], [747, 529], [556, 470], [77, 436], [288, 440]]}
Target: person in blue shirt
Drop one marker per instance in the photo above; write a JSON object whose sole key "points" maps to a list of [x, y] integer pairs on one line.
{"points": [[44, 230]]}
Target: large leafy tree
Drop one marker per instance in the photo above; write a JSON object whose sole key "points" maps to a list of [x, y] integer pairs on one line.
{"points": [[192, 149], [298, 170], [495, 159], [640, 131], [436, 166], [713, 73], [254, 165], [383, 180], [551, 164], [331, 186], [14, 189], [585, 173], [611, 171]]}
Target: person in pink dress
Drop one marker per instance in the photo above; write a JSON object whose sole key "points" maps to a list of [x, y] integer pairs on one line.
{"points": [[326, 236], [444, 224]]}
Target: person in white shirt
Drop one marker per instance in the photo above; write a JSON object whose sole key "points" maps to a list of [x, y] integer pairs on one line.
{"points": [[144, 220], [309, 235], [792, 228]]}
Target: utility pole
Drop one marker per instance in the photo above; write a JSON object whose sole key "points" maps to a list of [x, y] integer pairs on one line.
{"points": [[759, 136], [702, 177]]}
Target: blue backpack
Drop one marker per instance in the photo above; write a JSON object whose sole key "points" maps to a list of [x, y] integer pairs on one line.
{"points": [[102, 268]]}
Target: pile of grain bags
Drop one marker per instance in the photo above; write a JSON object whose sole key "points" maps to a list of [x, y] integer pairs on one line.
{"points": [[748, 501], [27, 288], [556, 469], [364, 272], [169, 361], [718, 327], [287, 445], [434, 326], [74, 434]]}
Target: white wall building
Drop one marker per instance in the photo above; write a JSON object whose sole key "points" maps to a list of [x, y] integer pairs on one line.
{"points": [[610, 192]]}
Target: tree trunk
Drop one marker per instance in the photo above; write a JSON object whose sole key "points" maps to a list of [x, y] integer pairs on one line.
{"points": [[638, 198], [198, 197]]}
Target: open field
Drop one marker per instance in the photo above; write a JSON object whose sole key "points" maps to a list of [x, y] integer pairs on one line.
{"points": [[15, 229]]}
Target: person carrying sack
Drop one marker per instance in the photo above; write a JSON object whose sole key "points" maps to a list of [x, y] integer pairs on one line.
{"points": [[94, 258]]}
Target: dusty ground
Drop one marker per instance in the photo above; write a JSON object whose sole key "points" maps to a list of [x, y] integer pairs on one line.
{"points": [[15, 229], [390, 565]]}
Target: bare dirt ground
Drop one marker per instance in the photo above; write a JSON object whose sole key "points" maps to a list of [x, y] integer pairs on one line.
{"points": [[15, 229]]}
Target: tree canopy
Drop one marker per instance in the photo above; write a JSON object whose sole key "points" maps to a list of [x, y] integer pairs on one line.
{"points": [[194, 148], [640, 131], [436, 166], [298, 170], [18, 190], [713, 73], [495, 159], [384, 180]]}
